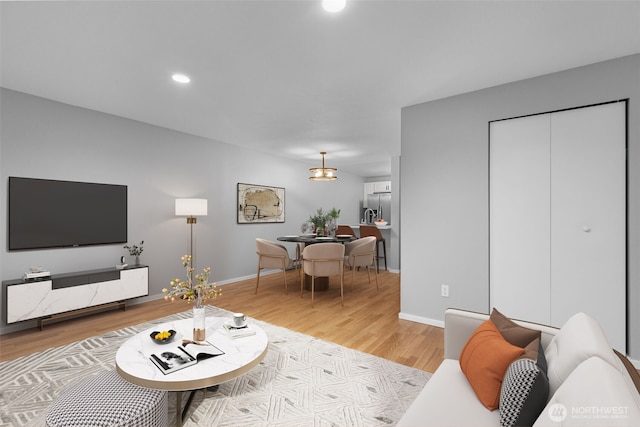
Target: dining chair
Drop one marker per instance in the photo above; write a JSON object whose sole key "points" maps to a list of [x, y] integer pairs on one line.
{"points": [[361, 253], [372, 230], [344, 230], [322, 260], [272, 255]]}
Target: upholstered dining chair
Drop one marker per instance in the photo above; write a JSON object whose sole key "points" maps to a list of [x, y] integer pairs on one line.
{"points": [[322, 260], [344, 230], [361, 253], [272, 255], [372, 230]]}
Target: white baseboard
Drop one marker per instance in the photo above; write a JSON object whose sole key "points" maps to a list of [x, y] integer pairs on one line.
{"points": [[423, 320], [251, 276], [636, 363]]}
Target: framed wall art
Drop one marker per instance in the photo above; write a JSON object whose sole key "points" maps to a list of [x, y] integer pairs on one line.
{"points": [[259, 204]]}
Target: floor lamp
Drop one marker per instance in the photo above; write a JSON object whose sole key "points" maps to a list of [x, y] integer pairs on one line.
{"points": [[191, 208]]}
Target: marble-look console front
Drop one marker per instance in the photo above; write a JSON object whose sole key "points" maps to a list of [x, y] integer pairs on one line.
{"points": [[69, 292]]}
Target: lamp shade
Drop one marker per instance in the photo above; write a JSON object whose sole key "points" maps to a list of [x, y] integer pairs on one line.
{"points": [[191, 207]]}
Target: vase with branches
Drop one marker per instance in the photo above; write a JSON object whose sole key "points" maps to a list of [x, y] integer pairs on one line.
{"points": [[195, 289], [332, 221]]}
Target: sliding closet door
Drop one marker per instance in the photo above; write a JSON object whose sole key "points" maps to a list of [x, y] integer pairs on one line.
{"points": [[558, 217], [588, 231], [519, 203]]}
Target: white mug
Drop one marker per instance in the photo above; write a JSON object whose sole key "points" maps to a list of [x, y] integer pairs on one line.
{"points": [[239, 320]]}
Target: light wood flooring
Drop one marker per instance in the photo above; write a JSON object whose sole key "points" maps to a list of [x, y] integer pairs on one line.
{"points": [[368, 322]]}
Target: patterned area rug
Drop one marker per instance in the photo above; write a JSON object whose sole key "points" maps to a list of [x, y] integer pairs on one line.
{"points": [[302, 381]]}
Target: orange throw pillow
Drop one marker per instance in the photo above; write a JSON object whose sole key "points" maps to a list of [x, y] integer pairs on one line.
{"points": [[484, 361]]}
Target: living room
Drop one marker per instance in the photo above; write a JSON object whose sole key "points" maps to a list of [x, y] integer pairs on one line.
{"points": [[442, 173]]}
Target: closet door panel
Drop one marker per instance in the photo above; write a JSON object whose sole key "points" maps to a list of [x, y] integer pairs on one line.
{"points": [[519, 204], [588, 224]]}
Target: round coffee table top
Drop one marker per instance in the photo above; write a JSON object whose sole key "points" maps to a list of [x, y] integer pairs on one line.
{"points": [[241, 355]]}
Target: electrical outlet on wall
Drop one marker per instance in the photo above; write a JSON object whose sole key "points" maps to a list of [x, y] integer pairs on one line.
{"points": [[444, 291]]}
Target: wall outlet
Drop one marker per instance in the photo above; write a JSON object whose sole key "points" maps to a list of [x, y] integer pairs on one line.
{"points": [[444, 291]]}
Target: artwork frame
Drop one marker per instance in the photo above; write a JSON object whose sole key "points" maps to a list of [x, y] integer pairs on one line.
{"points": [[260, 204]]}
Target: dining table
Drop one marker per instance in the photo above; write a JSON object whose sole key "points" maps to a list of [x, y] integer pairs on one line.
{"points": [[321, 283], [309, 239]]}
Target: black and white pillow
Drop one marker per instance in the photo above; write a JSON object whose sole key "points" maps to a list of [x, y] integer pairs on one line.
{"points": [[524, 393]]}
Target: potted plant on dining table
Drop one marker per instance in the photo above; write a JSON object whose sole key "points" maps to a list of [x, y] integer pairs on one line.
{"points": [[319, 221], [325, 222], [332, 222]]}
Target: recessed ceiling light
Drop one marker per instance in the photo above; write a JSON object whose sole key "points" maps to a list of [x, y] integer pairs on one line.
{"points": [[333, 5], [181, 78]]}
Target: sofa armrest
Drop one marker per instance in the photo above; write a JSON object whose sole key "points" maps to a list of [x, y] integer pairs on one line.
{"points": [[459, 325]]}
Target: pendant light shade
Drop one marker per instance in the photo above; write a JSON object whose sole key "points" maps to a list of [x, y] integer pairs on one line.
{"points": [[323, 173]]}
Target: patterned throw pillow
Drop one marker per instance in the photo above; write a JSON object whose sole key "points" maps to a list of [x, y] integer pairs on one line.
{"points": [[524, 393], [525, 386]]}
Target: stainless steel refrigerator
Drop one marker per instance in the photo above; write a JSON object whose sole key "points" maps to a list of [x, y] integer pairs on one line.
{"points": [[380, 205]]}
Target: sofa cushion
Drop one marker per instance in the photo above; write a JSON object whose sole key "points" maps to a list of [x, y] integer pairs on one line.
{"points": [[448, 401], [524, 393], [511, 331], [484, 361], [594, 394], [634, 376], [579, 338]]}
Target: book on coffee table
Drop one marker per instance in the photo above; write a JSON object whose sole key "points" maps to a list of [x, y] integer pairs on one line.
{"points": [[174, 358], [239, 331]]}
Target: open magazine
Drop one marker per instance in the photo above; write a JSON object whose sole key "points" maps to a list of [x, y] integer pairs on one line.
{"points": [[179, 357]]}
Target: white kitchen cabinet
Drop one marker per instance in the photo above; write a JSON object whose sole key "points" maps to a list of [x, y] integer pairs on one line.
{"points": [[558, 217], [377, 187]]}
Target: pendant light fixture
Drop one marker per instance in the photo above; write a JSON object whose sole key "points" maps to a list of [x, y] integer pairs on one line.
{"points": [[323, 173]]}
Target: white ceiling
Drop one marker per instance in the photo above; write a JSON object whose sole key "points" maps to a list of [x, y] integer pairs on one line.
{"points": [[288, 78]]}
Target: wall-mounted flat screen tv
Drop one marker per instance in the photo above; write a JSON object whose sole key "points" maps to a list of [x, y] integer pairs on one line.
{"points": [[54, 214]]}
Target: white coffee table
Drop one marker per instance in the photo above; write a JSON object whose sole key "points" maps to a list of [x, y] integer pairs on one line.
{"points": [[241, 355]]}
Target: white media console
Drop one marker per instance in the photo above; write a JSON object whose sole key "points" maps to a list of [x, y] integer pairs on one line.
{"points": [[68, 294]]}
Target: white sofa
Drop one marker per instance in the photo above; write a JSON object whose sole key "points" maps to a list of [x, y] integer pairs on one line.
{"points": [[589, 385]]}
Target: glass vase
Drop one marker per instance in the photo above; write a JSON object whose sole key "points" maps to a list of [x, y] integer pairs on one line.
{"points": [[199, 323], [331, 226]]}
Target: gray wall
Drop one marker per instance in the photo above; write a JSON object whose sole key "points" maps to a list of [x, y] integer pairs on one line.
{"points": [[40, 138], [444, 173]]}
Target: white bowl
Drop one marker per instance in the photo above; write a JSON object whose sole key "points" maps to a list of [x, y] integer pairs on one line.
{"points": [[381, 223]]}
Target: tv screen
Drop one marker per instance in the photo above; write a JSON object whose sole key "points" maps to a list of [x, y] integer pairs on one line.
{"points": [[52, 214]]}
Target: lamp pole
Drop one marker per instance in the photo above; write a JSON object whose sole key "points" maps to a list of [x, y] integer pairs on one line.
{"points": [[191, 220]]}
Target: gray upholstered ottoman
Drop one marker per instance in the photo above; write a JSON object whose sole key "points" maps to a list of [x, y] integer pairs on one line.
{"points": [[108, 400]]}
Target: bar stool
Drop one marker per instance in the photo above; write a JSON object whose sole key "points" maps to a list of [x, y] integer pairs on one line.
{"points": [[372, 230], [343, 230]]}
